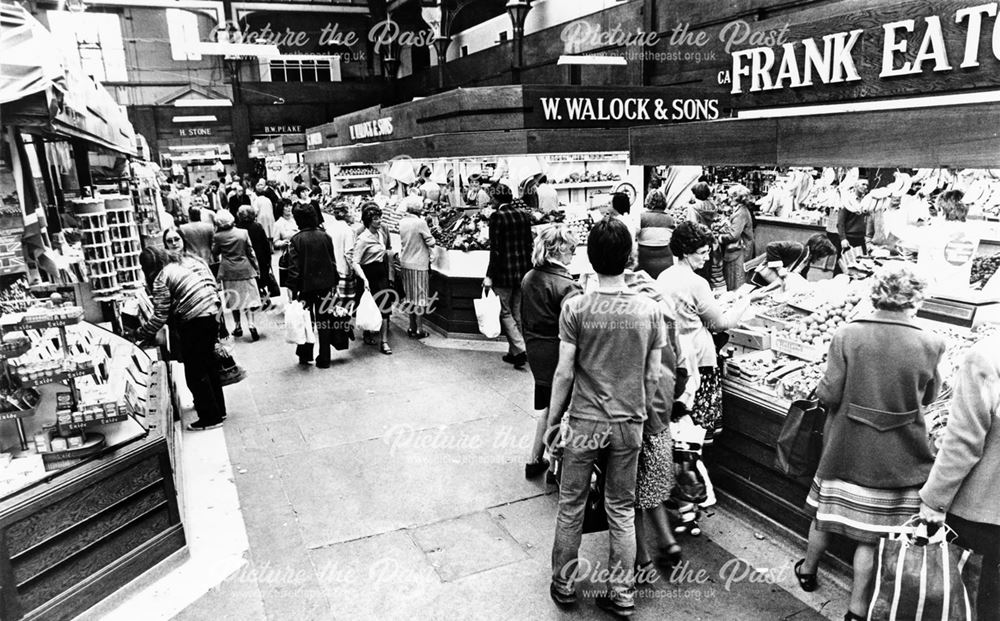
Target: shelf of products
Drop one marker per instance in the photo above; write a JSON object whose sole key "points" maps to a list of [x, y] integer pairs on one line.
{"points": [[55, 349]]}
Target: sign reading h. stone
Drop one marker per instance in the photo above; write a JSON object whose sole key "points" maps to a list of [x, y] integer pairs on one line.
{"points": [[189, 132]]}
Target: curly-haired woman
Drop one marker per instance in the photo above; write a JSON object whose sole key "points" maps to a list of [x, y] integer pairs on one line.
{"points": [[371, 263], [697, 316], [881, 373]]}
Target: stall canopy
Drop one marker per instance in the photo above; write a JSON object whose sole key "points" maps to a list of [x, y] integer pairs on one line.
{"points": [[963, 136], [45, 92], [508, 120]]}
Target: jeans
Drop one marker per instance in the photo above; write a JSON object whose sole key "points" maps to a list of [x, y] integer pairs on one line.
{"points": [[621, 442], [197, 340], [982, 539], [510, 318]]}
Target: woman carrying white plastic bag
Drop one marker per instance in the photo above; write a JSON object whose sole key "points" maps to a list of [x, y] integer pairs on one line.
{"points": [[488, 314], [369, 317]]}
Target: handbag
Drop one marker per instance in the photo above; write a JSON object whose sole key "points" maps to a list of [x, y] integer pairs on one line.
{"points": [[920, 576], [229, 371], [800, 443]]}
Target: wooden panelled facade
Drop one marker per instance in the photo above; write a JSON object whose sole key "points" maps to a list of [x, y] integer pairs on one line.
{"points": [[69, 543]]}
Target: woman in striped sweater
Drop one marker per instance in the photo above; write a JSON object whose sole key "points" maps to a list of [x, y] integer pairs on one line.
{"points": [[190, 300]]}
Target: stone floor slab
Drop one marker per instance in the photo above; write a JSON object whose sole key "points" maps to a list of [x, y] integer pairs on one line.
{"points": [[467, 545], [380, 577]]}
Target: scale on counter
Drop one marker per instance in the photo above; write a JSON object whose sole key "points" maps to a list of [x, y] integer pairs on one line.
{"points": [[967, 309]]}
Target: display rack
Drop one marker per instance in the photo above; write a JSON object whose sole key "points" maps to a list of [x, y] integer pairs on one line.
{"points": [[351, 174], [125, 244], [98, 252]]}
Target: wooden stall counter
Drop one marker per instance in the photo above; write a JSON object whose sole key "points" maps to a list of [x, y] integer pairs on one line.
{"points": [[456, 280], [73, 539]]}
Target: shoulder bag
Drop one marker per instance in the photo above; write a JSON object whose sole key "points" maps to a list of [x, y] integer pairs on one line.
{"points": [[800, 443]]}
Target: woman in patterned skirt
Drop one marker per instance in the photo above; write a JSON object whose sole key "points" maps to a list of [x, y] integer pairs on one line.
{"points": [[415, 258], [882, 371], [697, 315], [655, 475]]}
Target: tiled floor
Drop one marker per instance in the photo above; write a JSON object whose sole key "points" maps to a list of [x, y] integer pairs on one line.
{"points": [[391, 487]]}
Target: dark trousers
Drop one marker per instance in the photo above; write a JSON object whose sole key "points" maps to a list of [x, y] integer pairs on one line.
{"points": [[197, 340], [316, 303], [982, 539], [835, 240]]}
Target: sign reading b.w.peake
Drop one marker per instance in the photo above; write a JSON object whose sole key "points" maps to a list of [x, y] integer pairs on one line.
{"points": [[569, 106]]}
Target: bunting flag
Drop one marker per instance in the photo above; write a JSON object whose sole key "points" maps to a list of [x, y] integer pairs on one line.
{"points": [[30, 61]]}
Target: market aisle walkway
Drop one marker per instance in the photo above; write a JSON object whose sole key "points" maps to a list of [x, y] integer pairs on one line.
{"points": [[391, 487]]}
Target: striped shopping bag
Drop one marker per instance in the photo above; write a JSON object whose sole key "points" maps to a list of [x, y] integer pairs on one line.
{"points": [[920, 578]]}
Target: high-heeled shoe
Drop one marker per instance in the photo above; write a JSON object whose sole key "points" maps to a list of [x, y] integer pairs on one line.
{"points": [[670, 556], [237, 332], [254, 336]]}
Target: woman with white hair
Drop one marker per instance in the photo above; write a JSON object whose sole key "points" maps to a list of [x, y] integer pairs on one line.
{"points": [[415, 258], [237, 271], [882, 371], [543, 291]]}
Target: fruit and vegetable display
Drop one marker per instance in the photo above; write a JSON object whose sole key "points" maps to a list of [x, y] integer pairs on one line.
{"points": [[457, 231], [589, 176], [538, 217], [817, 328], [958, 344], [801, 384], [983, 268]]}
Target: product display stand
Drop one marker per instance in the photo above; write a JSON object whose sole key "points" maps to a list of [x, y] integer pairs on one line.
{"points": [[16, 415], [97, 248], [125, 245], [88, 443]]}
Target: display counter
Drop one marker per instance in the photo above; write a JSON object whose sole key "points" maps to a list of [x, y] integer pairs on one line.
{"points": [[770, 229], [456, 279], [77, 523]]}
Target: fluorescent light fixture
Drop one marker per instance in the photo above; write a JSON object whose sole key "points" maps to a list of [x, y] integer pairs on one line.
{"points": [[202, 103], [566, 59], [195, 118], [195, 147], [932, 101], [258, 50]]}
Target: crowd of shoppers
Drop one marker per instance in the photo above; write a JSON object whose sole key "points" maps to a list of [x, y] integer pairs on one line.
{"points": [[615, 364]]}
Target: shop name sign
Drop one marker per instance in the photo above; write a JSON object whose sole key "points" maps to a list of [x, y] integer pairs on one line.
{"points": [[371, 129], [189, 132], [282, 129], [633, 109], [832, 59]]}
